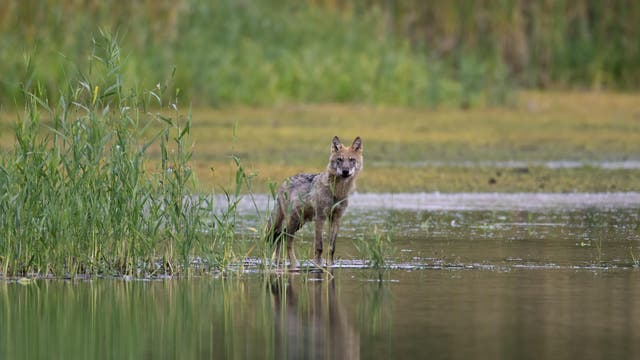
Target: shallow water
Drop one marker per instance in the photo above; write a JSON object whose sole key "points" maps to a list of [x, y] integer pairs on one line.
{"points": [[477, 276], [551, 164], [465, 201]]}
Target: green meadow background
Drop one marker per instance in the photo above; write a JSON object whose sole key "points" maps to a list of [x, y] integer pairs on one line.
{"points": [[413, 52]]}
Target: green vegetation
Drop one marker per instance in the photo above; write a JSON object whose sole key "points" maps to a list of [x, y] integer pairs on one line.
{"points": [[577, 43], [227, 52], [376, 249], [77, 195], [416, 53]]}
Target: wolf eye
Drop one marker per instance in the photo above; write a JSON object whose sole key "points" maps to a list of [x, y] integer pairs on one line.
{"points": [[352, 160], [339, 160]]}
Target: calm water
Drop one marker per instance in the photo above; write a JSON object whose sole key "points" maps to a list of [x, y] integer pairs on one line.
{"points": [[533, 280]]}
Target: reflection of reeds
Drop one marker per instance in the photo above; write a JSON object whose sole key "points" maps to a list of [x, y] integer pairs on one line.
{"points": [[227, 318], [246, 317], [375, 318]]}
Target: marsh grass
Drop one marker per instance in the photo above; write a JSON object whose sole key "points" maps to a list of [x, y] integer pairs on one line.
{"points": [[78, 196], [376, 249], [410, 150]]}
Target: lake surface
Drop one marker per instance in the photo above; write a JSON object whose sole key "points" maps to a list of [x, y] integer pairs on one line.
{"points": [[466, 276]]}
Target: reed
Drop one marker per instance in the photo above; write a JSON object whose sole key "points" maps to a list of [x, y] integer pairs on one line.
{"points": [[376, 250], [78, 196]]}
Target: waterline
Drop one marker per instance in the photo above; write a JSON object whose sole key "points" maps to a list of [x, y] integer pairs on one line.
{"points": [[516, 164], [468, 201]]}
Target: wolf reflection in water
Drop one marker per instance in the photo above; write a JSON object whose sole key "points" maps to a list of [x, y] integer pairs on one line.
{"points": [[310, 320]]}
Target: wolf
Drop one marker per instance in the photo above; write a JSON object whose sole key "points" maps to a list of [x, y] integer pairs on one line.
{"points": [[318, 197]]}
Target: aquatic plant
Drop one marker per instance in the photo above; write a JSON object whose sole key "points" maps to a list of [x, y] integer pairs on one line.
{"points": [[428, 224], [635, 261], [376, 249], [79, 196]]}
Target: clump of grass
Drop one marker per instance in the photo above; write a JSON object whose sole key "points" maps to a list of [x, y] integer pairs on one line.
{"points": [[635, 261], [78, 196], [376, 250]]}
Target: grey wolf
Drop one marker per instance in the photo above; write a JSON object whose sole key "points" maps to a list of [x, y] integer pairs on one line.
{"points": [[318, 197]]}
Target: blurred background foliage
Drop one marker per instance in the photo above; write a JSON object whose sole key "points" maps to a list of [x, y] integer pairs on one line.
{"points": [[390, 52]]}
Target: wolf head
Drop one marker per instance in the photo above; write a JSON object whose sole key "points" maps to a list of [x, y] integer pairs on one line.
{"points": [[345, 161]]}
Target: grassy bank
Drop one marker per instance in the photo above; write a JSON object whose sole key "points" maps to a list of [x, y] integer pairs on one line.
{"points": [[448, 150]]}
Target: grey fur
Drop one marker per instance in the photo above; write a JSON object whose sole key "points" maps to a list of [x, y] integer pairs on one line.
{"points": [[319, 197]]}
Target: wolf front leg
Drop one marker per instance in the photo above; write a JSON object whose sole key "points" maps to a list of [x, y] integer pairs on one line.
{"points": [[317, 240], [335, 226]]}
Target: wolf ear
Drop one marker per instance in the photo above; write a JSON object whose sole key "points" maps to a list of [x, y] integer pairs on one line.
{"points": [[336, 145], [357, 144]]}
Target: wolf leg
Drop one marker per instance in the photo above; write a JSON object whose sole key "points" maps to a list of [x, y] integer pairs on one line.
{"points": [[293, 261], [335, 226], [292, 226], [317, 241]]}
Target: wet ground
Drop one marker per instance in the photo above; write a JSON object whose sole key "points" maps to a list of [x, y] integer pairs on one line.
{"points": [[465, 276]]}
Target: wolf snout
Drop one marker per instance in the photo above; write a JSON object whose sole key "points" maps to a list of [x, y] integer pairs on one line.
{"points": [[346, 173]]}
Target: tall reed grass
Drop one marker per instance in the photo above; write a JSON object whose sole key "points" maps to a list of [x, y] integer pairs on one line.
{"points": [[79, 196]]}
